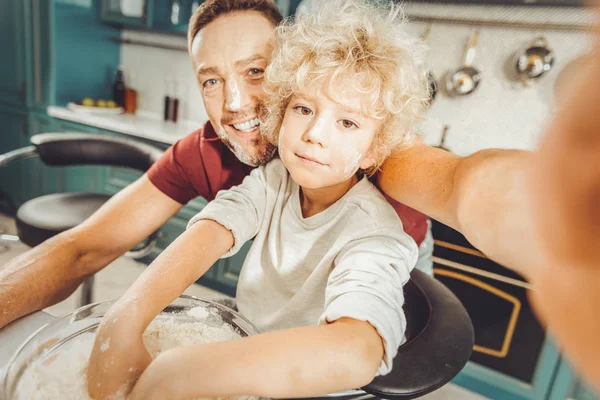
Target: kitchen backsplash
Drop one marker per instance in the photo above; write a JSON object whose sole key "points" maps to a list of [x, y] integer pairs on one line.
{"points": [[153, 72], [500, 113]]}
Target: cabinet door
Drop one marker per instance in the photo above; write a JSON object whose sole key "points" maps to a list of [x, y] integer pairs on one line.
{"points": [[40, 48], [172, 15], [81, 178], [568, 386], [130, 13], [13, 46], [14, 177], [45, 179], [513, 358], [228, 270]]}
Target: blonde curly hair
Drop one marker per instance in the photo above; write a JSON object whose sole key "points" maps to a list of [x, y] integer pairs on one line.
{"points": [[360, 46]]}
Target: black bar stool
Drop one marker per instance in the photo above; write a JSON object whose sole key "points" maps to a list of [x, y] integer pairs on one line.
{"points": [[46, 216]]}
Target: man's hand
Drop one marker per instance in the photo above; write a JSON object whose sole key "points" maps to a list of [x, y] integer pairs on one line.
{"points": [[117, 360], [566, 204]]}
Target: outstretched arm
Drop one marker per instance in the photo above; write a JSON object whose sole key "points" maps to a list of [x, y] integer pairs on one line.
{"points": [[300, 362], [483, 196]]}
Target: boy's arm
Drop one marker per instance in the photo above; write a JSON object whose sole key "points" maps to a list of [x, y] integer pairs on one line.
{"points": [[299, 362], [119, 356]]}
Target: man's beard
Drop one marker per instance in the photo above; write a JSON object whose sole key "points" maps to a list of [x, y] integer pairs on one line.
{"points": [[264, 150], [260, 157]]}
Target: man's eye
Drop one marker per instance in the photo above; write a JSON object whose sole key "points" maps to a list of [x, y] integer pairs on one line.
{"points": [[303, 110], [210, 82]]}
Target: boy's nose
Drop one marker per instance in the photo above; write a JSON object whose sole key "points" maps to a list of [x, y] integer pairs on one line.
{"points": [[317, 133]]}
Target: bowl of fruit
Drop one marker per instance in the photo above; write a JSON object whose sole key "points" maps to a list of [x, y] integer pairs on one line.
{"points": [[99, 106]]}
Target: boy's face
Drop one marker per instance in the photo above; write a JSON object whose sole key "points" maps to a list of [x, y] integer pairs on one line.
{"points": [[323, 142], [229, 56]]}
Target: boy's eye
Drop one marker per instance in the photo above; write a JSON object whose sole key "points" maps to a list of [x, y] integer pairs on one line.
{"points": [[303, 110], [348, 124], [210, 82]]}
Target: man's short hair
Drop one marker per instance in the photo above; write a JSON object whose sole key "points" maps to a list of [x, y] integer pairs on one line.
{"points": [[212, 9]]}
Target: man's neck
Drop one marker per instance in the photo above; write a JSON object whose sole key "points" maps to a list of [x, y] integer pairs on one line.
{"points": [[313, 201]]}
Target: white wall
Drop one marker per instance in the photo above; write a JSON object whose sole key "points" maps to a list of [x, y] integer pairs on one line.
{"points": [[153, 67], [501, 113]]}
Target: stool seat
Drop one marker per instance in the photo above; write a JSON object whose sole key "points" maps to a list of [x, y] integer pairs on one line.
{"points": [[43, 217], [439, 341]]}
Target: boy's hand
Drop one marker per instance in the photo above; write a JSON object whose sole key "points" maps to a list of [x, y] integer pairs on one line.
{"points": [[117, 360], [158, 381]]}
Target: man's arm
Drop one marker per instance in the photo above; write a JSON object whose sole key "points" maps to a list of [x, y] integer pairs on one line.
{"points": [[566, 205], [50, 272], [484, 196], [299, 362]]}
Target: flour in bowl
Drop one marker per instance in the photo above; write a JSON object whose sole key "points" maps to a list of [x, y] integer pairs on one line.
{"points": [[61, 374]]}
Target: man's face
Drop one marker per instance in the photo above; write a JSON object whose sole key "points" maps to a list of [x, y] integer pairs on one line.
{"points": [[229, 56]]}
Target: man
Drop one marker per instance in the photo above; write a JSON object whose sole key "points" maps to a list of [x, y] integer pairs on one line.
{"points": [[485, 196], [229, 65]]}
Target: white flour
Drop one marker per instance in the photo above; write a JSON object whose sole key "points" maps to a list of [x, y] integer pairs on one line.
{"points": [[62, 374]]}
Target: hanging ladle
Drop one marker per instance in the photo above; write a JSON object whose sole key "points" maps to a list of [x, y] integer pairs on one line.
{"points": [[442, 144], [465, 80], [534, 61], [431, 81]]}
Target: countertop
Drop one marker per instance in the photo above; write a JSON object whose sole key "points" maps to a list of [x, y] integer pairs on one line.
{"points": [[142, 124]]}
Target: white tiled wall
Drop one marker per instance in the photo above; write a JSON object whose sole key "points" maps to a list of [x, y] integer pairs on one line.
{"points": [[154, 67], [501, 113]]}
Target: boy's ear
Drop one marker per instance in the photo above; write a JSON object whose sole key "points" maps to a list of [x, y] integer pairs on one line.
{"points": [[367, 161]]}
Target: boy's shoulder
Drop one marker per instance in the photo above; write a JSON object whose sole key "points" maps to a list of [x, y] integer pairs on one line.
{"points": [[273, 170], [371, 208], [273, 175]]}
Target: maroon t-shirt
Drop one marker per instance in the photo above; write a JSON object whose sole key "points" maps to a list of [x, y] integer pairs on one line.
{"points": [[201, 165]]}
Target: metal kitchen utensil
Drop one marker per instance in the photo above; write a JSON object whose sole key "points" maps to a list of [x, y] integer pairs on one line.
{"points": [[442, 144], [433, 87], [534, 61], [466, 79], [432, 82]]}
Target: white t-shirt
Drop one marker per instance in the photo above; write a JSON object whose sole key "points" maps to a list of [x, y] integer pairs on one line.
{"points": [[350, 260]]}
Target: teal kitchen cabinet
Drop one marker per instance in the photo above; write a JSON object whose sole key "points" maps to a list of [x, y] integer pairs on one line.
{"points": [[173, 15], [58, 51], [14, 179], [513, 357], [81, 178], [45, 179], [568, 386], [170, 16], [138, 13], [27, 178], [13, 63]]}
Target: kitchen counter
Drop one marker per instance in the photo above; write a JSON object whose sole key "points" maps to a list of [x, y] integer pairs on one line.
{"points": [[143, 124]]}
